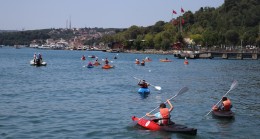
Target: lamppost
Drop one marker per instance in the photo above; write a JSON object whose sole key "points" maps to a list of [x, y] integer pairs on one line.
{"points": [[241, 45]]}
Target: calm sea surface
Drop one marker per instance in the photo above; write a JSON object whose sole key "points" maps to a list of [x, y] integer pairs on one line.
{"points": [[67, 100]]}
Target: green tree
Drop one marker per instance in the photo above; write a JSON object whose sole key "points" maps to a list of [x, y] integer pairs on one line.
{"points": [[232, 37]]}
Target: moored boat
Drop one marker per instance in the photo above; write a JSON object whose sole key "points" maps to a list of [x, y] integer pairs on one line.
{"points": [[172, 127], [223, 114]]}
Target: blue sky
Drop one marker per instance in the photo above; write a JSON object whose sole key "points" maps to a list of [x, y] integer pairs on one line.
{"points": [[42, 14]]}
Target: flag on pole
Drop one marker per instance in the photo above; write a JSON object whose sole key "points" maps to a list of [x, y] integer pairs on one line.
{"points": [[182, 10], [174, 12], [182, 21]]}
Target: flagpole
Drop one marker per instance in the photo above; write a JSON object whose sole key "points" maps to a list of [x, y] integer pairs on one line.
{"points": [[180, 25]]}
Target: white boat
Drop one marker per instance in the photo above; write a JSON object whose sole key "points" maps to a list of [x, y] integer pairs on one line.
{"points": [[38, 63]]}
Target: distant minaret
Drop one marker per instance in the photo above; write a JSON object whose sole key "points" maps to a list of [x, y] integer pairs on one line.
{"points": [[67, 24], [70, 22]]}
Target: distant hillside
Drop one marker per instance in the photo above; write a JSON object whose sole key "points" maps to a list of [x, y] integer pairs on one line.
{"points": [[83, 35], [234, 22]]}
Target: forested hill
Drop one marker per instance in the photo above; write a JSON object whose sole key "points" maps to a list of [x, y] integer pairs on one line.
{"points": [[229, 24]]}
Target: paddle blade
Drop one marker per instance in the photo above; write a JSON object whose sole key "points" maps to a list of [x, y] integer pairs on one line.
{"points": [[183, 90], [158, 87], [234, 84]]}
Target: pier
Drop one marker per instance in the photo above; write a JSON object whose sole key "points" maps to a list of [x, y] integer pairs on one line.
{"points": [[239, 55], [254, 55]]}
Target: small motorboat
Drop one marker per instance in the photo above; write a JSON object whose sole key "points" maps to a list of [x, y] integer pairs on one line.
{"points": [[223, 114], [38, 62], [107, 66], [171, 127]]}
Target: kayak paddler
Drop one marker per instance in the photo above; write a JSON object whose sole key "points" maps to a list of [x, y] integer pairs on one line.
{"points": [[225, 106], [143, 84], [163, 114]]}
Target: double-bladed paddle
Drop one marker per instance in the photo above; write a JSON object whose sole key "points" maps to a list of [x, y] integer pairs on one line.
{"points": [[183, 90], [156, 87], [233, 85]]}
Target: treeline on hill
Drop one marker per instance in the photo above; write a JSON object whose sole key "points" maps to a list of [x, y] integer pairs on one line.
{"points": [[23, 37], [229, 24], [234, 22]]}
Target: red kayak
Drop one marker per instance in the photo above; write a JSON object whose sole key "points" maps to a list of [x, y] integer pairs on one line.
{"points": [[172, 127]]}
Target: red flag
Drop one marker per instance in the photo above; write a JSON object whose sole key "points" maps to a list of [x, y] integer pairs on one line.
{"points": [[174, 12], [182, 21], [182, 10]]}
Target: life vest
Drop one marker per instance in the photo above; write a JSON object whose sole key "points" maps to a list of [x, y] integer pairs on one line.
{"points": [[165, 115], [227, 105]]}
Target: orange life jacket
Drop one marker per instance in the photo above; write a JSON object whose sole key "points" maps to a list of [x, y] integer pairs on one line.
{"points": [[165, 115], [227, 105]]}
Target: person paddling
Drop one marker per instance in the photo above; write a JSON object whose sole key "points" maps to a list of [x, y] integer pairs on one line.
{"points": [[83, 57], [137, 61], [163, 115], [106, 61], [225, 106], [143, 84], [96, 62], [143, 63], [90, 64], [34, 58]]}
